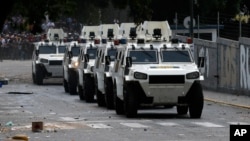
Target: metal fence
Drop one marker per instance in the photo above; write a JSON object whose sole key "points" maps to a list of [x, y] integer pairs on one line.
{"points": [[226, 26], [16, 50]]}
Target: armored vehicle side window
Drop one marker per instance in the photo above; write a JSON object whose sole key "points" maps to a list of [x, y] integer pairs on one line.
{"points": [[47, 49], [92, 53], [61, 49], [112, 53], [75, 51], [175, 56], [141, 56]]}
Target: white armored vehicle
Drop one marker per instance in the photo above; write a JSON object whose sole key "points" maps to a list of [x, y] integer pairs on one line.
{"points": [[129, 31], [86, 61], [70, 66], [89, 32], [159, 30], [157, 73], [107, 50], [47, 61], [85, 85], [108, 31], [103, 81], [56, 34], [104, 63]]}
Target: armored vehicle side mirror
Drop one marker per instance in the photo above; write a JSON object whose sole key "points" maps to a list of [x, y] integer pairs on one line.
{"points": [[128, 62], [37, 52], [86, 58], [70, 54], [107, 60], [201, 62]]}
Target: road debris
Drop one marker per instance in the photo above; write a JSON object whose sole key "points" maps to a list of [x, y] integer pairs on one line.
{"points": [[37, 126], [20, 137], [20, 93]]}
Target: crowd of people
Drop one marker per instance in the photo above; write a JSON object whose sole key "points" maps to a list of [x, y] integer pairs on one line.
{"points": [[16, 46], [16, 43]]}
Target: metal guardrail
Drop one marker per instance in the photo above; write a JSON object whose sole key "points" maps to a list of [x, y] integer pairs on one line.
{"points": [[14, 51]]}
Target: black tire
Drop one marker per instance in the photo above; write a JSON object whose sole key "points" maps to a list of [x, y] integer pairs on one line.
{"points": [[33, 78], [65, 85], [33, 75], [39, 75], [88, 88], [72, 84], [195, 100], [130, 100], [109, 94], [100, 97], [182, 110], [80, 92], [118, 103]]}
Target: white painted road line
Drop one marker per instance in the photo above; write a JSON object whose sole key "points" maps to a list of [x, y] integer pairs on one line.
{"points": [[238, 123], [98, 125], [168, 124], [71, 119], [207, 124], [135, 125]]}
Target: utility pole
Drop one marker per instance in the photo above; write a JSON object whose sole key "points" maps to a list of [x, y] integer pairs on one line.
{"points": [[191, 19]]}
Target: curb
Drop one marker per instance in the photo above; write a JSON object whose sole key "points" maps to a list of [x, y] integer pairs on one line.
{"points": [[226, 103]]}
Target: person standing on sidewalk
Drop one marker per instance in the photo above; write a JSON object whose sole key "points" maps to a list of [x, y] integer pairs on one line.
{"points": [[2, 41]]}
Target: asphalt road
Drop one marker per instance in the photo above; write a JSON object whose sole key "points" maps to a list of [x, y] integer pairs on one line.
{"points": [[66, 118]]}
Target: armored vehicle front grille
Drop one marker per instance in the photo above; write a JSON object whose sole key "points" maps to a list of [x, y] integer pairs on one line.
{"points": [[166, 79], [55, 62]]}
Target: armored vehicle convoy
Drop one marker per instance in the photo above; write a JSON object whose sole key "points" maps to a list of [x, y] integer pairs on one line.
{"points": [[104, 62]]}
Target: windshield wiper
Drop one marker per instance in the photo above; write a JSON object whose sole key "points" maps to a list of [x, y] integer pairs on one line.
{"points": [[145, 52], [180, 51]]}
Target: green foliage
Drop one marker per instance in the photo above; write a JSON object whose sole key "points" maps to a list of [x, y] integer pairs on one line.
{"points": [[100, 3], [211, 7], [141, 10], [121, 4], [232, 7]]}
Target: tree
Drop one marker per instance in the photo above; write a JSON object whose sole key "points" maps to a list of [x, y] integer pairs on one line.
{"points": [[5, 10], [141, 10]]}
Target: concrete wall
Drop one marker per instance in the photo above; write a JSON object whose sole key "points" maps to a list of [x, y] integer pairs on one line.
{"points": [[227, 64], [244, 63]]}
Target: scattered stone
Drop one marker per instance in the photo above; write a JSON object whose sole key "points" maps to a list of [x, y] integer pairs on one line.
{"points": [[37, 126], [21, 137]]}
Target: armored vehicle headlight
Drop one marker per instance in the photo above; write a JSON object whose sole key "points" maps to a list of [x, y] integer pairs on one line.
{"points": [[193, 75], [75, 64], [139, 75], [42, 60]]}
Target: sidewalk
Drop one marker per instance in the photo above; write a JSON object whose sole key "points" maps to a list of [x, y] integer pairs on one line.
{"points": [[242, 101]]}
